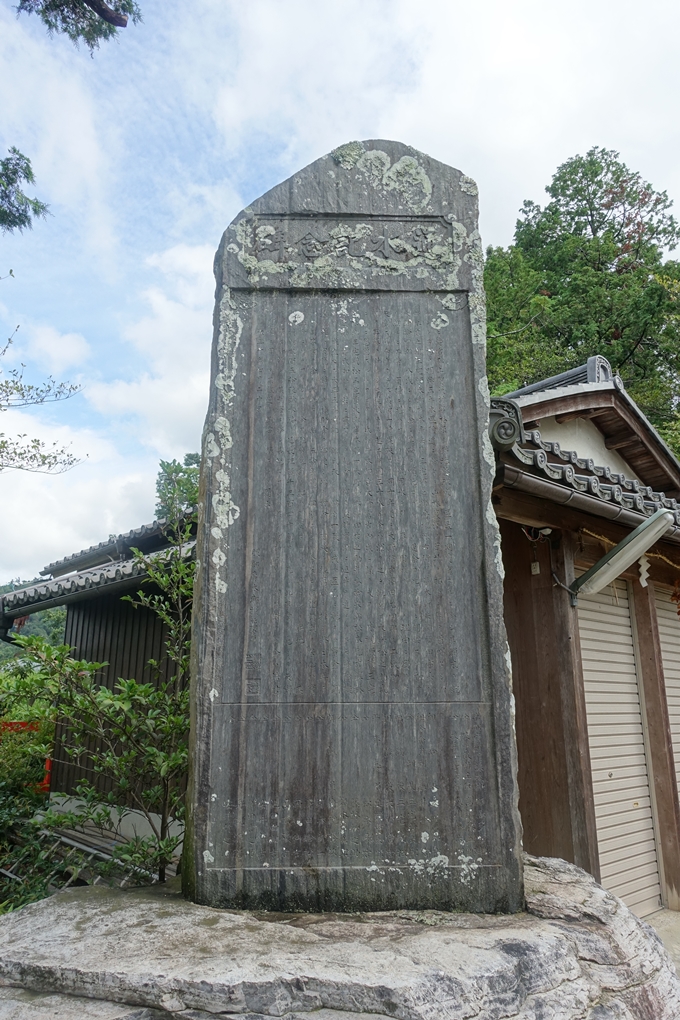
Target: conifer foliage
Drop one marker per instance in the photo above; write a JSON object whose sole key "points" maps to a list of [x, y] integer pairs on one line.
{"points": [[588, 273]]}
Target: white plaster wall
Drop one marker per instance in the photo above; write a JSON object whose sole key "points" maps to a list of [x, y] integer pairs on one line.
{"points": [[587, 440]]}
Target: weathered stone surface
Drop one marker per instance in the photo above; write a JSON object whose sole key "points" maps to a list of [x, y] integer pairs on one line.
{"points": [[352, 738], [579, 954], [666, 923]]}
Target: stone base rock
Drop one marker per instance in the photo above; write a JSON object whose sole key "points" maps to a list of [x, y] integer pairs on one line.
{"points": [[577, 954]]}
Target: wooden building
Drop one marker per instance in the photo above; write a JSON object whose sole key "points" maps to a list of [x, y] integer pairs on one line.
{"points": [[597, 685], [100, 626]]}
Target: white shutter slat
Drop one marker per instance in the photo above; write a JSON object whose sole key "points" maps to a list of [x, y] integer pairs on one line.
{"points": [[623, 811]]}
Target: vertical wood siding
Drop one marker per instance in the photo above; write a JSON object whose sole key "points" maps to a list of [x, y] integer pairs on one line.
{"points": [[623, 807], [106, 630]]}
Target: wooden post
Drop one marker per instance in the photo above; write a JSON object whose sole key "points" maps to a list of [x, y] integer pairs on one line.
{"points": [[568, 651], [659, 741], [555, 782]]}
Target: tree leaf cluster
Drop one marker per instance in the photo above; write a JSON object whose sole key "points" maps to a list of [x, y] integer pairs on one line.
{"points": [[86, 21], [134, 736], [17, 210], [48, 624], [588, 274], [177, 487], [22, 452]]}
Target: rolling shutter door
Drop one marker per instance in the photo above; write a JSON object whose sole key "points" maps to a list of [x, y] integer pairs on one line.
{"points": [[623, 809], [669, 637]]}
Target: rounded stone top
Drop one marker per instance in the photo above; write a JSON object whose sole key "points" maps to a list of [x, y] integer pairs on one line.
{"points": [[375, 177]]}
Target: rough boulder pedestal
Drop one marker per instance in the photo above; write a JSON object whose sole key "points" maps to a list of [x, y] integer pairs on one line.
{"points": [[577, 953]]}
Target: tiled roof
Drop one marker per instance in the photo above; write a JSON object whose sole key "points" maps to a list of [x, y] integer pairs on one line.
{"points": [[64, 588], [117, 547], [123, 573], [550, 461]]}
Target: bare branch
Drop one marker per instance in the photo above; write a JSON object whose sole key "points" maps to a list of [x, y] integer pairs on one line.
{"points": [[107, 14]]}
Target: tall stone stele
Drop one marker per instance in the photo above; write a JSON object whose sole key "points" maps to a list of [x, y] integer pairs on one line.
{"points": [[352, 732]]}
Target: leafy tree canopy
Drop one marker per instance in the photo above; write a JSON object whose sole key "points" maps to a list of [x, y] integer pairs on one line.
{"points": [[17, 210], [177, 487], [587, 274], [87, 21]]}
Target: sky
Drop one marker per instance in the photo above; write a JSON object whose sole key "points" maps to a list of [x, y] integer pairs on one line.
{"points": [[146, 151]]}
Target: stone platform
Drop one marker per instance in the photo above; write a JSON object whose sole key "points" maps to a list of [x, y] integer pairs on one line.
{"points": [[577, 953]]}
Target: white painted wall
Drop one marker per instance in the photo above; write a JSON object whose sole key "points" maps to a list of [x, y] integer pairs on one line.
{"points": [[586, 439]]}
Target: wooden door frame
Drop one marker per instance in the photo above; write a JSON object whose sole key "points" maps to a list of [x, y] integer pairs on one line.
{"points": [[658, 740]]}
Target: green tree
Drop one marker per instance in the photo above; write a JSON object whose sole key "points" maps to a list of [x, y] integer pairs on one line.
{"points": [[135, 737], [87, 21], [177, 487], [21, 452], [587, 274], [17, 210]]}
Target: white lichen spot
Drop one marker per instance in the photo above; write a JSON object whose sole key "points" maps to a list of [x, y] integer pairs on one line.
{"points": [[450, 301], [440, 321], [374, 164], [487, 450], [233, 248], [218, 558], [434, 803], [211, 447], [299, 822], [459, 235], [477, 306], [468, 186], [348, 155], [497, 554], [295, 318], [408, 178], [468, 868], [216, 532], [213, 797], [437, 864], [208, 857], [220, 586], [213, 694], [424, 836]]}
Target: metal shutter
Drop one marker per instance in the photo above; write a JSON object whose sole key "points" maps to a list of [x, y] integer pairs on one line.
{"points": [[669, 636], [623, 808]]}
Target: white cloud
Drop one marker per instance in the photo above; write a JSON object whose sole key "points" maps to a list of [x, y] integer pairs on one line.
{"points": [[168, 402], [52, 351], [49, 112], [46, 517]]}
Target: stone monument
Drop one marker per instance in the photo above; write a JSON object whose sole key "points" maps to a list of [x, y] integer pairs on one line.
{"points": [[352, 734]]}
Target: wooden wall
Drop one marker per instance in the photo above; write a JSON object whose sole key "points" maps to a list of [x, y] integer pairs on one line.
{"points": [[554, 764], [106, 629]]}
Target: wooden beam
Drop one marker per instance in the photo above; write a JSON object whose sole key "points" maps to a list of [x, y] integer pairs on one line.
{"points": [[579, 774], [561, 419], [618, 444], [555, 783], [662, 765], [532, 511], [542, 767]]}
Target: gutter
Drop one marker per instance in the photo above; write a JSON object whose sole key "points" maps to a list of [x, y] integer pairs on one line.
{"points": [[514, 478]]}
